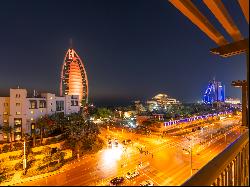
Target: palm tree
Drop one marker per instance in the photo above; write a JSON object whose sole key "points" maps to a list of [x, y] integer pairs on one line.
{"points": [[34, 139], [42, 123], [9, 131]]}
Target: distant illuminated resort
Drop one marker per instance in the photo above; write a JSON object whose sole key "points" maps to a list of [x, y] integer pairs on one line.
{"points": [[215, 92], [74, 80], [161, 100]]}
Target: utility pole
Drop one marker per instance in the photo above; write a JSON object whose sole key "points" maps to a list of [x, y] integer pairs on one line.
{"points": [[191, 154], [191, 160], [24, 156]]}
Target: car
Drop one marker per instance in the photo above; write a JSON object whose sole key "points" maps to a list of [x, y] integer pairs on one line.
{"points": [[109, 143], [132, 174], [124, 142], [116, 144], [147, 183], [116, 181], [128, 141], [144, 165]]}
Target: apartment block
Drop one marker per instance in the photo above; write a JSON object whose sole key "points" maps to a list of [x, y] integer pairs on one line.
{"points": [[21, 111]]}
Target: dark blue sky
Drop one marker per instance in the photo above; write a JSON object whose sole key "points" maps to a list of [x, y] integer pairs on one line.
{"points": [[132, 49]]}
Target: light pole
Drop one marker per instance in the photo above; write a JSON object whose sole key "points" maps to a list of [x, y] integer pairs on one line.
{"points": [[191, 154], [24, 156]]}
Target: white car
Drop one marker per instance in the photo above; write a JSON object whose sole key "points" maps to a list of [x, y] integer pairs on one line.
{"points": [[132, 174], [147, 183]]}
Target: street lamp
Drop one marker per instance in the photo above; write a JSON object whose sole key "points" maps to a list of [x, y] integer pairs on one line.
{"points": [[191, 155], [24, 156]]}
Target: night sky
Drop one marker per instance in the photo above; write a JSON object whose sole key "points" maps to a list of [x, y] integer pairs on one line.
{"points": [[132, 49]]}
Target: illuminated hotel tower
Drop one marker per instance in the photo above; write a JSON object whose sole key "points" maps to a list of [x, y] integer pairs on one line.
{"points": [[74, 80]]}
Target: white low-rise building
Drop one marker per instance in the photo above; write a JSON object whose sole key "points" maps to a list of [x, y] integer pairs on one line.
{"points": [[21, 112], [234, 101]]}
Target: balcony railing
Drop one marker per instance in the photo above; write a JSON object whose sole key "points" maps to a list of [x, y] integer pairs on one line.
{"points": [[229, 168]]}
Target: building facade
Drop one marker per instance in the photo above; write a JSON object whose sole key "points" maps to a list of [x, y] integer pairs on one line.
{"points": [[161, 101], [21, 112], [74, 80], [215, 92], [234, 101]]}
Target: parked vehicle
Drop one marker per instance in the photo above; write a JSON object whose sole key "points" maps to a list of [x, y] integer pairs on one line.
{"points": [[109, 143], [147, 183], [116, 181], [132, 174]]}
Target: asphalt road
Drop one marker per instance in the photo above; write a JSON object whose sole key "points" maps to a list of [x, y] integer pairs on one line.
{"points": [[169, 165]]}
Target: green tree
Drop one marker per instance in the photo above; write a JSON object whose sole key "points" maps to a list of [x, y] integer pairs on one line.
{"points": [[103, 113], [81, 133], [3, 171], [44, 123], [59, 121]]}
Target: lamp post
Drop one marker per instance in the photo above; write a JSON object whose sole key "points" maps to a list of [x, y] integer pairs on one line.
{"points": [[191, 154], [24, 156]]}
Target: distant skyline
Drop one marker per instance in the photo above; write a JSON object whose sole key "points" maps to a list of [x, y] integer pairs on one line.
{"points": [[131, 49]]}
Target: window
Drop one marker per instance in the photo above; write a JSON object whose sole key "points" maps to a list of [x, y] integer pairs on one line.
{"points": [[31, 119], [59, 105], [73, 97], [18, 113], [18, 137], [32, 112], [42, 104], [33, 126], [74, 103], [18, 104], [18, 129], [18, 95], [5, 113], [33, 104], [5, 121], [41, 111], [17, 121], [6, 104]]}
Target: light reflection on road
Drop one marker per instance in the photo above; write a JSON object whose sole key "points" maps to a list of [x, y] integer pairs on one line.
{"points": [[110, 157]]}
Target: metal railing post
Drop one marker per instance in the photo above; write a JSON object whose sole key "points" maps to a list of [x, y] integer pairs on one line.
{"points": [[230, 179], [223, 179]]}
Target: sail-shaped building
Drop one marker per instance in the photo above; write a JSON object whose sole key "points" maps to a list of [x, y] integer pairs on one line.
{"points": [[74, 80]]}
